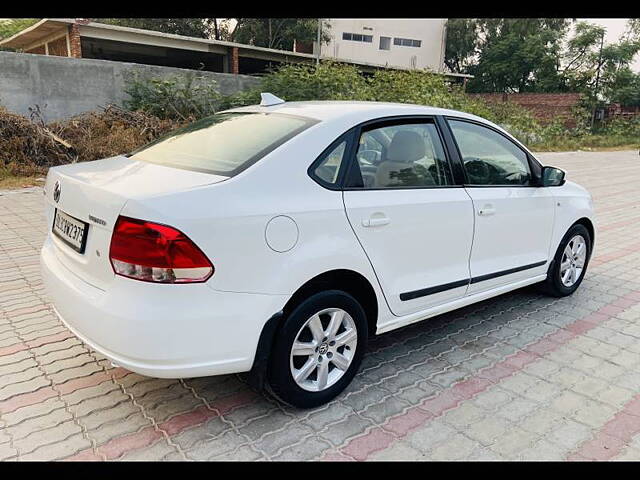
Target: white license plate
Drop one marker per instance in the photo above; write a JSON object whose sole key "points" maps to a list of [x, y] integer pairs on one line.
{"points": [[70, 230]]}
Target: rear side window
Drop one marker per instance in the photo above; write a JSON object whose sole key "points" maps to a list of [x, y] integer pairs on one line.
{"points": [[224, 143], [402, 155]]}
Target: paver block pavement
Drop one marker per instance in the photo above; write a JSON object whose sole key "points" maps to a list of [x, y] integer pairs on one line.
{"points": [[521, 376]]}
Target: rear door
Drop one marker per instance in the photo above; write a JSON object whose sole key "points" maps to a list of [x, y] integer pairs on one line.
{"points": [[414, 223], [513, 215]]}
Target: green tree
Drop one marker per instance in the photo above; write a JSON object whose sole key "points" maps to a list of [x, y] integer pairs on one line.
{"points": [[11, 26], [191, 27], [601, 71], [517, 54], [275, 32], [462, 43]]}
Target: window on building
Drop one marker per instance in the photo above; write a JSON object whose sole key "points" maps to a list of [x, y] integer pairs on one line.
{"points": [[357, 37], [407, 42], [385, 43]]}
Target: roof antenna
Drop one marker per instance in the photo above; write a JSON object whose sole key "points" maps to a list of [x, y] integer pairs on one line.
{"points": [[269, 99]]}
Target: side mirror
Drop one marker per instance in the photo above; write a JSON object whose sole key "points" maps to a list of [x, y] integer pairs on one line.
{"points": [[552, 177]]}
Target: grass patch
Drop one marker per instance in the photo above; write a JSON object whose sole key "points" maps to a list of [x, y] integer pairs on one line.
{"points": [[596, 143], [10, 181]]}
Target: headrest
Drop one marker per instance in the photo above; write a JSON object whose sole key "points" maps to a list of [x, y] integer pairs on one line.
{"points": [[406, 146]]}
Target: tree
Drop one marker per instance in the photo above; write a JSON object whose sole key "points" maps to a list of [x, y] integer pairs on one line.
{"points": [[462, 43], [517, 54], [11, 26], [633, 27], [601, 71], [191, 27], [274, 32], [580, 59]]}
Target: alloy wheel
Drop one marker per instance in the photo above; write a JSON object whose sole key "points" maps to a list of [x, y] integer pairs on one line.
{"points": [[323, 349], [573, 260]]}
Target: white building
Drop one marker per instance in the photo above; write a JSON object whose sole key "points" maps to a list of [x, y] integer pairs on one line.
{"points": [[393, 42]]}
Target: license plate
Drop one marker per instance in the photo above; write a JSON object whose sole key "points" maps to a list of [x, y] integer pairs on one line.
{"points": [[70, 230]]}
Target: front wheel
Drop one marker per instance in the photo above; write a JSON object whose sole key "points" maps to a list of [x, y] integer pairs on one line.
{"points": [[570, 262], [318, 350]]}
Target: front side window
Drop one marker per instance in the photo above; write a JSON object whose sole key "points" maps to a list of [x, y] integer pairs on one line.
{"points": [[402, 155], [490, 158], [385, 43], [224, 143]]}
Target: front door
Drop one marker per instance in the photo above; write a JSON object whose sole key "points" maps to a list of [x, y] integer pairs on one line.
{"points": [[513, 217]]}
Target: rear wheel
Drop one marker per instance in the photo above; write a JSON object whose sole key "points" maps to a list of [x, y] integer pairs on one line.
{"points": [[318, 350], [570, 262]]}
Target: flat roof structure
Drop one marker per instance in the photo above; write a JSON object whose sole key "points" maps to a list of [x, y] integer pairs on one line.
{"points": [[86, 39]]}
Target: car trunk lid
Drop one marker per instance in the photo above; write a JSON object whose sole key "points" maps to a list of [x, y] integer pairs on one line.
{"points": [[94, 193]]}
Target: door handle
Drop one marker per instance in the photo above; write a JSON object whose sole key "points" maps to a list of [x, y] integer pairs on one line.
{"points": [[375, 221], [486, 210]]}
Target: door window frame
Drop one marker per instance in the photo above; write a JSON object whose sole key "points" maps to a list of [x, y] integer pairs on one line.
{"points": [[389, 121], [535, 166]]}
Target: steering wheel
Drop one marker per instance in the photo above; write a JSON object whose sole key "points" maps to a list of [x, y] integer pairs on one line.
{"points": [[478, 170], [514, 176]]}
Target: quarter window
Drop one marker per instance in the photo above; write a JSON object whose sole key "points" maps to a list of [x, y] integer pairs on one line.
{"points": [[329, 167], [404, 155], [490, 158]]}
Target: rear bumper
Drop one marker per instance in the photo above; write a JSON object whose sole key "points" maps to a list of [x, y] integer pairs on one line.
{"points": [[167, 331]]}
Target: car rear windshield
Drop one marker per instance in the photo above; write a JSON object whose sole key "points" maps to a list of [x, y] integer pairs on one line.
{"points": [[224, 143]]}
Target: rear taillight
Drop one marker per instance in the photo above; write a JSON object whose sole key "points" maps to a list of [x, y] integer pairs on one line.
{"points": [[156, 253]]}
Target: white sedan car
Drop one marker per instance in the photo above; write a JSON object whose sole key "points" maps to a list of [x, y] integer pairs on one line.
{"points": [[276, 239]]}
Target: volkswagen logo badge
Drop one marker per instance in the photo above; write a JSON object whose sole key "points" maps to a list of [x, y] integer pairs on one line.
{"points": [[56, 191]]}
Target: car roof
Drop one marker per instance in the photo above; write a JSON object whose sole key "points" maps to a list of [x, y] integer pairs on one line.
{"points": [[333, 110], [354, 112]]}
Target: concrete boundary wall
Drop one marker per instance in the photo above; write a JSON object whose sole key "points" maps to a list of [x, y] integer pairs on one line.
{"points": [[69, 86]]}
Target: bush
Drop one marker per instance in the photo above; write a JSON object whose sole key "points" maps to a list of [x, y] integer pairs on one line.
{"points": [[335, 81], [326, 81], [25, 148], [28, 147], [621, 127], [113, 131], [185, 97]]}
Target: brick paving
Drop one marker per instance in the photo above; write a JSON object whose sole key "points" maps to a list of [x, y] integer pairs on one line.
{"points": [[521, 376]]}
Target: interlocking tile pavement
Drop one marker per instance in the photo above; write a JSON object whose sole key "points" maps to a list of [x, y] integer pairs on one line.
{"points": [[521, 376]]}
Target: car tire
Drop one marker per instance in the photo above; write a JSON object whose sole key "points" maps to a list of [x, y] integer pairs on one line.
{"points": [[554, 284], [310, 376]]}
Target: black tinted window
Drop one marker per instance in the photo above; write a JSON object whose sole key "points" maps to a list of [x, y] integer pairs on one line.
{"points": [[490, 158]]}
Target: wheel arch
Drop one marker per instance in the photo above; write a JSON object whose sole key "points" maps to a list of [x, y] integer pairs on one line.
{"points": [[588, 224], [349, 281]]}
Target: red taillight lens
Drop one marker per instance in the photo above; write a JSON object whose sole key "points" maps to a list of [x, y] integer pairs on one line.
{"points": [[156, 253]]}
